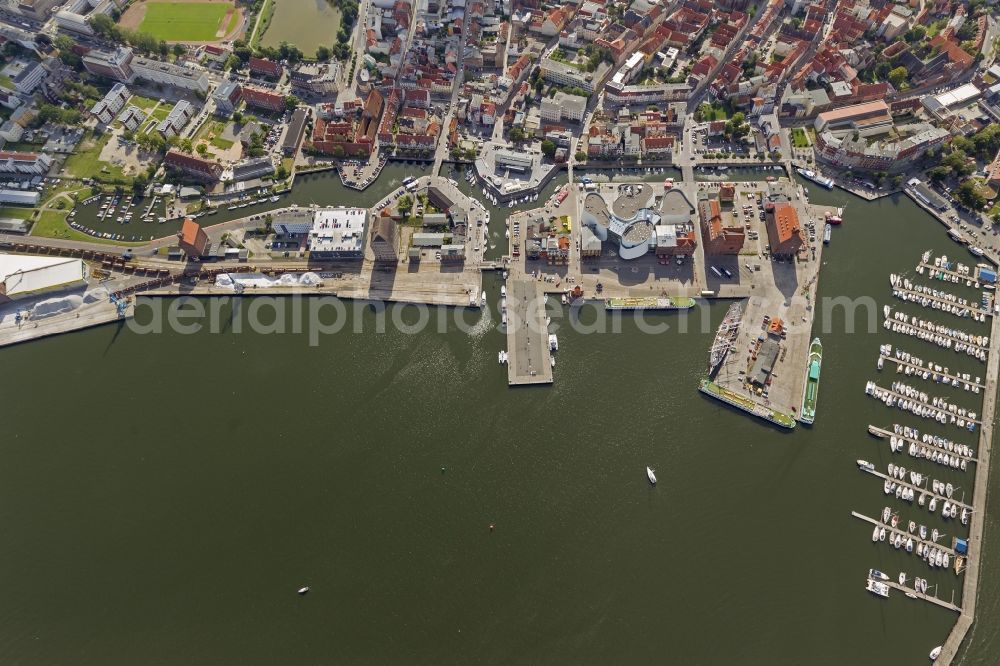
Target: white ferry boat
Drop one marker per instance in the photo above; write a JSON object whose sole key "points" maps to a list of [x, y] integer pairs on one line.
{"points": [[816, 178]]}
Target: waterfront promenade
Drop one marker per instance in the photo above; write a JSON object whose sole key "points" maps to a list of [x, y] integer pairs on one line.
{"points": [[978, 522]]}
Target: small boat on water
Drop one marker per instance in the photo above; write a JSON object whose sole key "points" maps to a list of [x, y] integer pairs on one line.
{"points": [[482, 299], [651, 475], [875, 534], [875, 574], [302, 591], [878, 588], [935, 653]]}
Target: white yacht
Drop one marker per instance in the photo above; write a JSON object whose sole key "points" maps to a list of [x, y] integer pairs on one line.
{"points": [[651, 475], [877, 588], [935, 653]]}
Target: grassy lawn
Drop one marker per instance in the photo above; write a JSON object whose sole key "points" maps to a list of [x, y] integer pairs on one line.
{"points": [[224, 144], [184, 21], [52, 224], [16, 212], [799, 138], [263, 20], [713, 112], [23, 147], [86, 163], [162, 111], [143, 103], [209, 129]]}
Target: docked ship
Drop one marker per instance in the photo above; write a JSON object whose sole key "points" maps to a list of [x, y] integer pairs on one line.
{"points": [[649, 303], [816, 177], [744, 403], [811, 393], [725, 337]]}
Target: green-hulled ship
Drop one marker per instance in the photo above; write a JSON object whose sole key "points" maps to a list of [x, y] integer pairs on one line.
{"points": [[649, 303], [811, 392]]}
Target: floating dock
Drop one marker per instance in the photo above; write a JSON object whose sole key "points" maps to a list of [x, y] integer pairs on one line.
{"points": [[903, 396], [916, 296], [921, 369], [744, 403], [920, 489], [908, 535], [886, 434]]}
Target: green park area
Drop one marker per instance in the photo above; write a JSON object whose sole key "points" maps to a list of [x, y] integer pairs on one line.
{"points": [[86, 162], [186, 21]]}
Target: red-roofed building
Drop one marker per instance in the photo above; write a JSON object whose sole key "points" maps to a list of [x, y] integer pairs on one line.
{"points": [[262, 99], [192, 166], [718, 238], [192, 238], [784, 234], [265, 67]]}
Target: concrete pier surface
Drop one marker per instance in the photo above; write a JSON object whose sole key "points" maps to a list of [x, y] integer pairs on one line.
{"points": [[977, 523], [528, 355], [85, 316]]}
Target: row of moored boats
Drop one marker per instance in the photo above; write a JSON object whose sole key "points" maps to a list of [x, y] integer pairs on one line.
{"points": [[916, 402], [913, 366], [942, 336], [936, 299]]}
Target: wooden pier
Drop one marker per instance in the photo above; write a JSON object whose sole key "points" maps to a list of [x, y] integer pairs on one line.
{"points": [[920, 489], [921, 369], [902, 396], [933, 332], [937, 269], [906, 535], [885, 434], [971, 307], [950, 605]]}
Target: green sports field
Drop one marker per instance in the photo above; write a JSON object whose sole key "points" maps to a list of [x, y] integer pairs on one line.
{"points": [[184, 21]]}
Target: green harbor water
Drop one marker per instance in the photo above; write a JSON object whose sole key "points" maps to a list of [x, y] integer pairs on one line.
{"points": [[162, 497]]}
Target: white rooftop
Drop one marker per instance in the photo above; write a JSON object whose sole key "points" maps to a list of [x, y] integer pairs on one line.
{"points": [[338, 230], [23, 275]]}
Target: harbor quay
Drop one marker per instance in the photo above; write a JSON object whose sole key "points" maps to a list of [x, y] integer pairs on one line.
{"points": [[970, 588]]}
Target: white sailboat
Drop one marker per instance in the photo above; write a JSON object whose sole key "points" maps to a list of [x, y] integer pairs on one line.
{"points": [[651, 475]]}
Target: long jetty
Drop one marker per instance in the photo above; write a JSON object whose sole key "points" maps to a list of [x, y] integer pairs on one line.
{"points": [[903, 396], [921, 329], [884, 433], [903, 533], [919, 489], [922, 369], [946, 271], [977, 523], [917, 295]]}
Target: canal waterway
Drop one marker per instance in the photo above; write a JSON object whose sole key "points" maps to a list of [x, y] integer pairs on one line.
{"points": [[163, 496]]}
